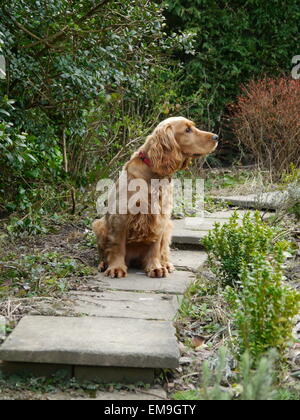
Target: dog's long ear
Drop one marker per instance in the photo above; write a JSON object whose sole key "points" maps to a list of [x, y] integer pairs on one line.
{"points": [[164, 151]]}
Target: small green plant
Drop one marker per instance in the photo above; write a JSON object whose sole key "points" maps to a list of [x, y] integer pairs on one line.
{"points": [[31, 224], [232, 245], [211, 389], [263, 308], [26, 386], [40, 274], [258, 384], [292, 176], [286, 394], [251, 382]]}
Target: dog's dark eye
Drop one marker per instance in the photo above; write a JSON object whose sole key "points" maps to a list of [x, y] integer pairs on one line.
{"points": [[189, 130]]}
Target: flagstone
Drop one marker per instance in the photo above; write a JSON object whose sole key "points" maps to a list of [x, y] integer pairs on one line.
{"points": [[92, 341]]}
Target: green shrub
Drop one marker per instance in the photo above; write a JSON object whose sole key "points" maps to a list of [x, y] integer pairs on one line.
{"points": [[263, 308], [86, 97], [232, 246], [25, 163]]}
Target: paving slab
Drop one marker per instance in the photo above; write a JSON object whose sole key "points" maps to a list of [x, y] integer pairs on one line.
{"points": [[176, 283], [188, 260], [92, 341], [269, 201], [186, 232], [113, 304]]}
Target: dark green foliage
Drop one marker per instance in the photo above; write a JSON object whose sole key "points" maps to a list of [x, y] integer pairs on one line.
{"points": [[63, 60], [236, 41], [83, 74], [24, 162], [62, 55]]}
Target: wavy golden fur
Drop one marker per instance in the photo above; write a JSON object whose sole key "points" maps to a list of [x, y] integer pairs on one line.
{"points": [[144, 239]]}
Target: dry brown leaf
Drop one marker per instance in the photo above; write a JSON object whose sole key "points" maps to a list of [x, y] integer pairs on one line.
{"points": [[198, 341]]}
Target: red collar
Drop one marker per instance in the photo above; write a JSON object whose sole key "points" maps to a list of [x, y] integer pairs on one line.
{"points": [[144, 158]]}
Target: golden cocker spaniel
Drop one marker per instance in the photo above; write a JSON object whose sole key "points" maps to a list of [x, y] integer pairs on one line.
{"points": [[144, 239]]}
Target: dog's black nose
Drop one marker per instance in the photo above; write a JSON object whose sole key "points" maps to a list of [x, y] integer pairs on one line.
{"points": [[216, 138]]}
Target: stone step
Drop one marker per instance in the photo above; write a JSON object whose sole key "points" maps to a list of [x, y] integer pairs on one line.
{"points": [[136, 304], [92, 341], [190, 260], [113, 304], [185, 233], [176, 283], [263, 201]]}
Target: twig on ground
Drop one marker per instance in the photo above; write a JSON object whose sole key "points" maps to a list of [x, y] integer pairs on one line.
{"points": [[151, 394], [75, 258]]}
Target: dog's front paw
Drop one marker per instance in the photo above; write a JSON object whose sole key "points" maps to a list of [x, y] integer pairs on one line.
{"points": [[116, 272], [169, 267], [102, 266], [156, 271]]}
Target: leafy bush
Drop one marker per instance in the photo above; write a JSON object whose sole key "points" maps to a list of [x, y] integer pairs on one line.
{"points": [[235, 42], [31, 224], [105, 53], [24, 162], [119, 124], [264, 308], [230, 247], [267, 122], [89, 81]]}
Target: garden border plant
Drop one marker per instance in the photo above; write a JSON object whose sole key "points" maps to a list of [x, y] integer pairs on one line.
{"points": [[248, 259]]}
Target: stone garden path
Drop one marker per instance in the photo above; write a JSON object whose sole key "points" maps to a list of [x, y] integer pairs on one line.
{"points": [[123, 332]]}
